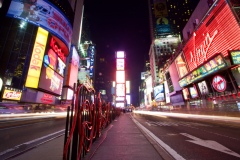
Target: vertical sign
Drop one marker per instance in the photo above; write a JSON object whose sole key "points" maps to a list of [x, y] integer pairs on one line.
{"points": [[37, 59]]}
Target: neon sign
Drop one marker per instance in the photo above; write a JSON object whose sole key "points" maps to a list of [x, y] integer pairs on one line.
{"points": [[57, 49], [200, 54], [219, 83], [47, 98], [216, 34]]}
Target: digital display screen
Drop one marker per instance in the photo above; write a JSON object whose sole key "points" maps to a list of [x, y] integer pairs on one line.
{"points": [[50, 80], [120, 89], [120, 64], [193, 91], [181, 65], [235, 55], [120, 76], [44, 14], [120, 54]]}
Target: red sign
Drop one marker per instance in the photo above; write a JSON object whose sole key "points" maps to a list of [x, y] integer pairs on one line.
{"points": [[8, 94], [217, 34], [47, 98], [57, 49], [219, 83]]}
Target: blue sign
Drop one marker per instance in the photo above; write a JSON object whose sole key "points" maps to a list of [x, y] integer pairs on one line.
{"points": [[159, 93], [210, 67], [162, 25], [44, 14], [46, 61], [193, 91], [91, 53]]}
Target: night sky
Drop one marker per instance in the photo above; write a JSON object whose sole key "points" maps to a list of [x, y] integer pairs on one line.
{"points": [[121, 25]]}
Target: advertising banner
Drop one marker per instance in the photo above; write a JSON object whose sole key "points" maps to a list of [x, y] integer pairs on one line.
{"points": [[211, 39], [128, 97], [193, 91], [209, 67], [186, 93], [45, 98], [44, 14], [11, 95], [120, 54], [120, 64], [91, 52], [160, 8], [120, 90], [203, 88], [181, 66], [159, 93], [177, 99], [73, 68], [37, 59], [50, 81], [120, 77], [236, 74], [235, 55]]}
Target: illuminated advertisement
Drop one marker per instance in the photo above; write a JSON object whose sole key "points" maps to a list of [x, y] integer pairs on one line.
{"points": [[44, 14], [235, 55], [120, 76], [149, 85], [159, 93], [103, 92], [203, 88], [219, 83], [120, 64], [128, 97], [210, 39], [120, 54], [69, 94], [193, 91], [236, 74], [181, 66], [11, 95], [50, 81], [119, 98], [120, 90], [120, 105], [185, 93], [166, 92], [91, 52], [209, 67], [1, 84], [37, 59], [45, 98], [127, 87], [73, 68]]}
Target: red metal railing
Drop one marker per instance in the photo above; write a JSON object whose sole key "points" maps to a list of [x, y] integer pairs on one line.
{"points": [[86, 122]]}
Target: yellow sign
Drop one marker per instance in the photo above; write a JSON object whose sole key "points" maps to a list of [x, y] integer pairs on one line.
{"points": [[160, 9], [12, 95], [37, 59]]}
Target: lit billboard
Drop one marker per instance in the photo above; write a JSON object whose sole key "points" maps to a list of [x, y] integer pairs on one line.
{"points": [[120, 54], [73, 67], [127, 87], [37, 59], [120, 77], [120, 64], [159, 93], [50, 80], [181, 66], [128, 97], [120, 105], [91, 52], [11, 95], [210, 39], [43, 14], [120, 90]]}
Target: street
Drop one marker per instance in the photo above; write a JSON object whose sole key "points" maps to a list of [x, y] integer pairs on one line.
{"points": [[23, 133], [189, 139]]}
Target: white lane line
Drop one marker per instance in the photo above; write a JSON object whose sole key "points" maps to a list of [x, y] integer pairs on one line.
{"points": [[172, 152], [29, 142]]}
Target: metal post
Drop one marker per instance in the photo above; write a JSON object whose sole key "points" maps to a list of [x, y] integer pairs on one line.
{"points": [[66, 128]]}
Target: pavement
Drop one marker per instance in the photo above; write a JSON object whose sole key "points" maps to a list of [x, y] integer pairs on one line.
{"points": [[122, 139]]}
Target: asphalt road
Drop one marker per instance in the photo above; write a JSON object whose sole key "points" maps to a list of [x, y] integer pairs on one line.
{"points": [[20, 134], [189, 139]]}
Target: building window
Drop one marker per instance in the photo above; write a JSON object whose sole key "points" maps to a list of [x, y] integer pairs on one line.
{"points": [[173, 21]]}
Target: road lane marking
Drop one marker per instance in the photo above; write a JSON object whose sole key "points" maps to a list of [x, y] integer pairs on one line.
{"points": [[172, 152], [164, 123], [210, 144], [29, 142]]}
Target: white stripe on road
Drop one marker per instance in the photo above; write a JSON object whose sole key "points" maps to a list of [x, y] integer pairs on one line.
{"points": [[172, 152], [29, 142]]}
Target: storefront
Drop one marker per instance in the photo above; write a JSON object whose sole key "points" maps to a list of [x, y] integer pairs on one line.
{"points": [[208, 67]]}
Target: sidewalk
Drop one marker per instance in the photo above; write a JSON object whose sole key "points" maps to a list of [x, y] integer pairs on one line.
{"points": [[121, 140]]}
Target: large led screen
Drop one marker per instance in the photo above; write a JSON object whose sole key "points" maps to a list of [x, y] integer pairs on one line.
{"points": [[185, 93], [120, 64], [128, 97], [43, 14], [120, 76], [127, 87], [217, 34], [50, 80], [159, 93], [120, 90], [120, 54]]}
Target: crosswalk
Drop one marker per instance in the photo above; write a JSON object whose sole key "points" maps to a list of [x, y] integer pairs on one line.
{"points": [[164, 124]]}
